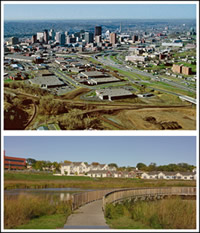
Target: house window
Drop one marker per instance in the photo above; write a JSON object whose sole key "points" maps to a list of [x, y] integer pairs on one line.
{"points": [[185, 177], [191, 178]]}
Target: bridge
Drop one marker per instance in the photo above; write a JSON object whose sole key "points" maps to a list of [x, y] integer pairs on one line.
{"points": [[189, 99], [88, 207]]}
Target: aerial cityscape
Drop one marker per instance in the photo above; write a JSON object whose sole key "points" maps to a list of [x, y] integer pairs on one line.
{"points": [[100, 74]]}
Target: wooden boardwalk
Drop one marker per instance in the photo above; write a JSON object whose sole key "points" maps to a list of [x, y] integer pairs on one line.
{"points": [[89, 216]]}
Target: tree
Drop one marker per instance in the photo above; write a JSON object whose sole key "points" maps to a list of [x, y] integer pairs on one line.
{"points": [[31, 161], [152, 167], [141, 166], [112, 165], [67, 161]]}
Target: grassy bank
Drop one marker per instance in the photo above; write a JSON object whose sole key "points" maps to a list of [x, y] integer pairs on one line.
{"points": [[164, 214], [27, 211], [14, 180]]}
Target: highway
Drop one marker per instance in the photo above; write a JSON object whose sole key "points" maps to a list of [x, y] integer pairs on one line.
{"points": [[124, 67]]}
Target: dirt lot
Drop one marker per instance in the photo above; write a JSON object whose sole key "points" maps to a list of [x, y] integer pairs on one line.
{"points": [[185, 117], [75, 94]]}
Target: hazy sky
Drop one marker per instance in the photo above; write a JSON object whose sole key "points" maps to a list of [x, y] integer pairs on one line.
{"points": [[99, 11], [123, 150]]}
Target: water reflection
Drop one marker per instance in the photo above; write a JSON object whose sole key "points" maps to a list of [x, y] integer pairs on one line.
{"points": [[52, 194]]}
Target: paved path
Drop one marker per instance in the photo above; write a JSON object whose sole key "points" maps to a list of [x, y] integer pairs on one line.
{"points": [[89, 216]]}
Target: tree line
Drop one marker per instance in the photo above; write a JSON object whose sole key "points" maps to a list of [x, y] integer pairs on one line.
{"points": [[181, 167]]}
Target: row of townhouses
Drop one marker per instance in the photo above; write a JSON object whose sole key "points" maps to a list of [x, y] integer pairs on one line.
{"points": [[80, 168], [169, 175], [104, 170]]}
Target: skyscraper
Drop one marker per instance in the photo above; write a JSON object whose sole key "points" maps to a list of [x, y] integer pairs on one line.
{"points": [[34, 39], [113, 38], [52, 34], [40, 36], [46, 36], [135, 38], [60, 38], [89, 37], [14, 40], [97, 31]]}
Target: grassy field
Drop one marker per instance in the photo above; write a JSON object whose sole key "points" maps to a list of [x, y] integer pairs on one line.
{"points": [[163, 214], [31, 212], [15, 180], [165, 86], [54, 221]]}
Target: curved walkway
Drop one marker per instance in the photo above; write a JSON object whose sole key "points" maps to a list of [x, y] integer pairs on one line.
{"points": [[89, 216]]}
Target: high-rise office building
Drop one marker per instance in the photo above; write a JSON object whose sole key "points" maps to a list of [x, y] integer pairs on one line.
{"points": [[46, 36], [62, 38], [135, 38], [89, 37], [70, 40], [98, 39], [58, 37], [113, 38], [14, 40], [52, 34], [34, 39], [97, 31], [40, 36]]}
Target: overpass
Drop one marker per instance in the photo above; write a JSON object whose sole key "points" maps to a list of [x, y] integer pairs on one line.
{"points": [[189, 99], [88, 207]]}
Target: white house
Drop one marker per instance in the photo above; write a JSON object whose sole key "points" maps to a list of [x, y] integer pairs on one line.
{"points": [[169, 175], [78, 168]]}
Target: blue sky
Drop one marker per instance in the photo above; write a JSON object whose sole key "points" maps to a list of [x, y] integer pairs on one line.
{"points": [[123, 150], [102, 11]]}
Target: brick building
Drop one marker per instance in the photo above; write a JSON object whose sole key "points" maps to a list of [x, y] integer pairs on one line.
{"points": [[177, 68], [182, 69], [186, 70], [14, 163]]}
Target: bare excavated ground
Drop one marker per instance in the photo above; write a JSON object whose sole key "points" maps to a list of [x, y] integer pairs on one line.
{"points": [[76, 94], [182, 118]]}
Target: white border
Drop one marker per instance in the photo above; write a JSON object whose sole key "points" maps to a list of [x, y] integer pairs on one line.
{"points": [[103, 133]]}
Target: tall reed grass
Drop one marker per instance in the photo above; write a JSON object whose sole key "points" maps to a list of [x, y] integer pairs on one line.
{"points": [[164, 214], [20, 210]]}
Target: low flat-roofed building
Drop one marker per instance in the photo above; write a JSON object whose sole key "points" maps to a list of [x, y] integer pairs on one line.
{"points": [[75, 70], [17, 57], [111, 94], [136, 58], [94, 74], [47, 81], [97, 81], [172, 44]]}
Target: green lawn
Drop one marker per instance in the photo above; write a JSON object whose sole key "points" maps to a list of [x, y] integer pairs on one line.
{"points": [[45, 222], [165, 86], [44, 176]]}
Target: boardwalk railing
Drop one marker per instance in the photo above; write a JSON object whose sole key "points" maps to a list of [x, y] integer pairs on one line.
{"points": [[119, 195], [80, 199], [113, 195]]}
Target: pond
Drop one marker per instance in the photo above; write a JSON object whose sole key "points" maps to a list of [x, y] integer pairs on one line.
{"points": [[63, 194]]}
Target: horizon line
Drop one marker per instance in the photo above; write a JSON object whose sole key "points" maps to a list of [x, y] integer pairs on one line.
{"points": [[102, 19]]}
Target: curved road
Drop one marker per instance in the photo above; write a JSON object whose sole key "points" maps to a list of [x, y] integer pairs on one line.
{"points": [[89, 216]]}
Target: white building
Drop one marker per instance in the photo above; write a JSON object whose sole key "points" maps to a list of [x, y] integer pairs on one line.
{"points": [[78, 168], [169, 175]]}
